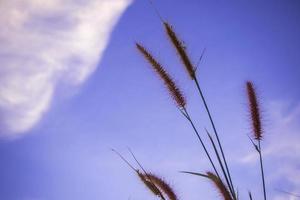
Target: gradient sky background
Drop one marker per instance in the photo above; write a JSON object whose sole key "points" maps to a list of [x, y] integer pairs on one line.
{"points": [[63, 151]]}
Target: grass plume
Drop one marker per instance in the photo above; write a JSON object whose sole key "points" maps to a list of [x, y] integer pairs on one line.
{"points": [[149, 183], [254, 111], [144, 177], [256, 127], [219, 185], [154, 183], [164, 187], [173, 89], [181, 50]]}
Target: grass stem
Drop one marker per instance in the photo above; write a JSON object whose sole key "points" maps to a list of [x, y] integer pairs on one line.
{"points": [[215, 132], [262, 170], [221, 164], [187, 116]]}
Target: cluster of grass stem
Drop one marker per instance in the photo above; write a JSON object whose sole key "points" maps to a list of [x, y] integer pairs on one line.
{"points": [[221, 174]]}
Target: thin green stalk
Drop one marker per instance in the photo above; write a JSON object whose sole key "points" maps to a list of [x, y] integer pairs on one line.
{"points": [[215, 131], [262, 170], [187, 116]]}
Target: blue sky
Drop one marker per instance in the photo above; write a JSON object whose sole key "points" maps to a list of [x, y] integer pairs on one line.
{"points": [[73, 86]]}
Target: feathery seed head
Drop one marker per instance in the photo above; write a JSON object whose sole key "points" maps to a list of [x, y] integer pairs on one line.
{"points": [[163, 186], [254, 111], [173, 89], [219, 185], [149, 184], [181, 50], [157, 185]]}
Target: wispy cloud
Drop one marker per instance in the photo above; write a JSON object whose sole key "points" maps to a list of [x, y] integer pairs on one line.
{"points": [[44, 43]]}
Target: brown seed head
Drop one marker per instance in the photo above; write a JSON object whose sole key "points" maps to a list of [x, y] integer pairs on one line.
{"points": [[150, 185], [163, 186], [174, 91], [219, 185], [181, 50], [254, 111]]}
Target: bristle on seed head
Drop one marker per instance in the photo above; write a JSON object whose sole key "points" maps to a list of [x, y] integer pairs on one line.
{"points": [[158, 186], [174, 91], [181, 50], [254, 111], [149, 184], [219, 185]]}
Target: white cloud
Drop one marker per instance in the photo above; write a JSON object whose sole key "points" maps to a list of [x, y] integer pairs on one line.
{"points": [[43, 43]]}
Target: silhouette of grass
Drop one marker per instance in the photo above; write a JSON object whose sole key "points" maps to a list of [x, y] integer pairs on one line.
{"points": [[157, 185]]}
